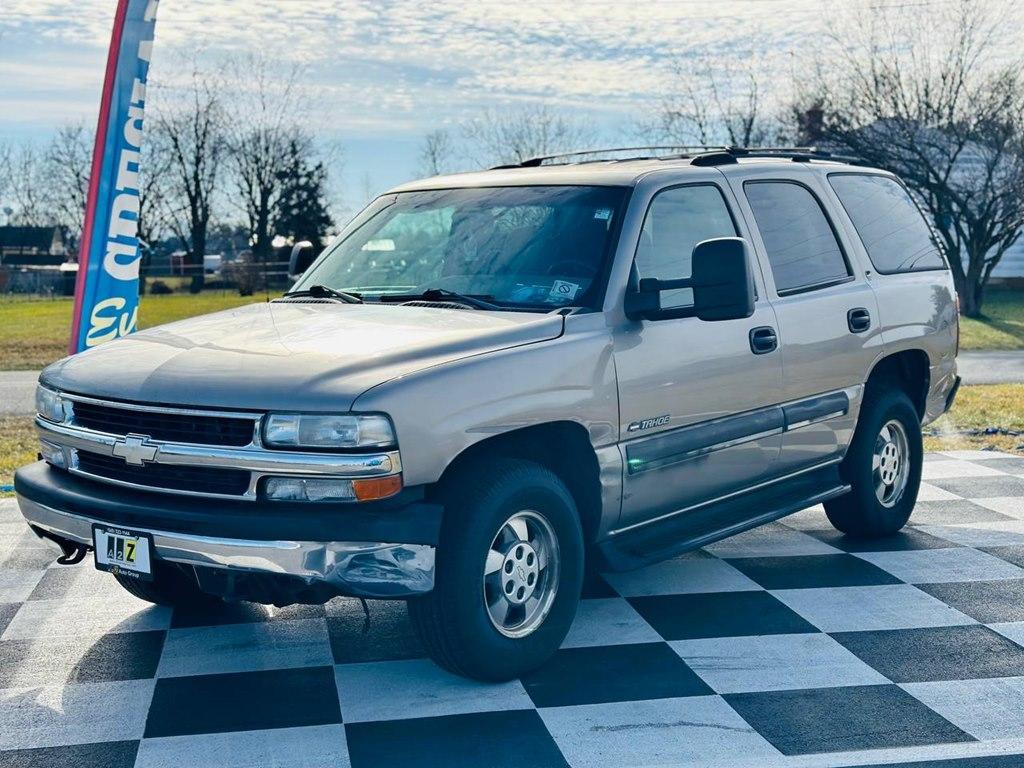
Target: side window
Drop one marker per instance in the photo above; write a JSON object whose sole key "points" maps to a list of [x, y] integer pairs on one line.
{"points": [[802, 247], [676, 221], [893, 231]]}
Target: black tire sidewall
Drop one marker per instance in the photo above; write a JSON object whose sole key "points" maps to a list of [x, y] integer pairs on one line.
{"points": [[892, 404], [470, 527]]}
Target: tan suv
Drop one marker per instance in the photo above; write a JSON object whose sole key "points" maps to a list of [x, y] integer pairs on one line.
{"points": [[491, 380]]}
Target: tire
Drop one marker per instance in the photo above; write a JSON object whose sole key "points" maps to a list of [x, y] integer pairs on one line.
{"points": [[454, 621], [170, 586], [867, 511]]}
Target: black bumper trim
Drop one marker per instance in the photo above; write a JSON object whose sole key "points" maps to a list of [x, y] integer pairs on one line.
{"points": [[404, 519]]}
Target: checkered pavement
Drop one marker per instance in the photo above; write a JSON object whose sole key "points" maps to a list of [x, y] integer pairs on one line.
{"points": [[790, 645]]}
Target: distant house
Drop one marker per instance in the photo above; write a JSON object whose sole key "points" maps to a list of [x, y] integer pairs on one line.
{"points": [[32, 246]]}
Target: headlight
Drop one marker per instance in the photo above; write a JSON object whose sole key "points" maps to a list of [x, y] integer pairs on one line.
{"points": [[343, 430], [49, 404]]}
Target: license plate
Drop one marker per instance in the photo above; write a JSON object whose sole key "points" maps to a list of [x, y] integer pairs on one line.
{"points": [[124, 552]]}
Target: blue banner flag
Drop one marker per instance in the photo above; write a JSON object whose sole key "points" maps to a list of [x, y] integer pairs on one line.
{"points": [[107, 287]]}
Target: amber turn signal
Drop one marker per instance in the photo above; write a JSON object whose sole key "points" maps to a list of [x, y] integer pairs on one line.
{"points": [[377, 487]]}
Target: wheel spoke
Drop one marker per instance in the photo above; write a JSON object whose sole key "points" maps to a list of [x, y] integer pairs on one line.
{"points": [[494, 561], [542, 558], [499, 609], [518, 525]]}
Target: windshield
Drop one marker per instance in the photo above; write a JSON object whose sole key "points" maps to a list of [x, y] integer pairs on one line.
{"points": [[520, 247]]}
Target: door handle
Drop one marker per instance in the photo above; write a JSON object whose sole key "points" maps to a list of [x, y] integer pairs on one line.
{"points": [[763, 340], [858, 320]]}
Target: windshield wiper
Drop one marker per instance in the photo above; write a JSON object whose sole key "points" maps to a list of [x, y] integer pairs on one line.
{"points": [[323, 292], [443, 294]]}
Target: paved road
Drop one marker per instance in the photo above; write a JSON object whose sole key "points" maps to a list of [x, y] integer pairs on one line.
{"points": [[789, 646], [991, 367], [16, 387]]}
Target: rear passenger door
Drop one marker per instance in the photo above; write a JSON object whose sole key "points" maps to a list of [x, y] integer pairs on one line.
{"points": [[827, 312]]}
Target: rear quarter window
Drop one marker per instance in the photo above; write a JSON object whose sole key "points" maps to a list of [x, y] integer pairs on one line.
{"points": [[895, 234]]}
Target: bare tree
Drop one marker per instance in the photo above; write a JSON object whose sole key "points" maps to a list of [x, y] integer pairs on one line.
{"points": [[933, 104], [712, 102], [28, 187], [68, 163], [267, 117], [515, 135], [436, 153], [188, 139]]}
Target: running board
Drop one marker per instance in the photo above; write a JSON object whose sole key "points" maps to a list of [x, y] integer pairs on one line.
{"points": [[688, 530]]}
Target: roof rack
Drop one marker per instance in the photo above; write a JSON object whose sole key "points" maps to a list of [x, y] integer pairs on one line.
{"points": [[700, 155], [679, 150]]}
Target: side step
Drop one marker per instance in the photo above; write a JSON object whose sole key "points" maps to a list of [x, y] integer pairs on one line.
{"points": [[698, 527]]}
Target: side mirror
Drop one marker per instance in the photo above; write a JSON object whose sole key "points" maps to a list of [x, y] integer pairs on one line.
{"points": [[722, 283], [302, 256]]}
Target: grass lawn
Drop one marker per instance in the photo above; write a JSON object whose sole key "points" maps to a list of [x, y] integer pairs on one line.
{"points": [[35, 333], [18, 447], [1003, 324], [976, 409]]}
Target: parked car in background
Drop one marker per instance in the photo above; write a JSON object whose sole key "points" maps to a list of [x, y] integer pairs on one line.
{"points": [[492, 381]]}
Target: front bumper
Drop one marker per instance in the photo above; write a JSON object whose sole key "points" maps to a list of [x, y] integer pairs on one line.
{"points": [[396, 561]]}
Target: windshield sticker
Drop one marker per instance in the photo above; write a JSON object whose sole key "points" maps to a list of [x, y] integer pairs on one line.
{"points": [[564, 290], [603, 214]]}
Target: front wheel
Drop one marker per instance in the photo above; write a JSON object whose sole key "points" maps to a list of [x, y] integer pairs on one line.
{"points": [[508, 575], [883, 466]]}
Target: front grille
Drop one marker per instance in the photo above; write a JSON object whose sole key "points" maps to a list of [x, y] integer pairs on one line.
{"points": [[229, 482], [171, 427]]}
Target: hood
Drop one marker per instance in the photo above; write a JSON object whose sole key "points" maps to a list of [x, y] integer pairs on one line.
{"points": [[289, 356]]}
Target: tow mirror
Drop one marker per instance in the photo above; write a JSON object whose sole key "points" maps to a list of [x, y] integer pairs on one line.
{"points": [[722, 284], [302, 256]]}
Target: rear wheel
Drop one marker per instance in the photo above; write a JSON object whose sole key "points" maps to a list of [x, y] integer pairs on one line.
{"points": [[508, 575], [170, 586], [883, 466]]}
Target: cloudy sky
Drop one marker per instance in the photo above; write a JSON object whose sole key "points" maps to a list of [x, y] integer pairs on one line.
{"points": [[380, 74]]}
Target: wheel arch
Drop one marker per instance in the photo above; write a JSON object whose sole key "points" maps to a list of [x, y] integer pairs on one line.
{"points": [[564, 447], [910, 369]]}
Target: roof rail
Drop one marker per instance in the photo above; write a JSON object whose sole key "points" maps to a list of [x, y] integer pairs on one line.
{"points": [[700, 155], [680, 150], [729, 155]]}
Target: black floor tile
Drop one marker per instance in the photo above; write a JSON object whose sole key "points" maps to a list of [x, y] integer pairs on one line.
{"points": [[7, 611], [982, 487], [906, 540], [110, 754], [602, 674], [1013, 553], [30, 558], [809, 571], [841, 719], [243, 701], [937, 653], [719, 614], [55, 583], [217, 613], [953, 512], [494, 739], [387, 637], [992, 761], [77, 659], [986, 601]]}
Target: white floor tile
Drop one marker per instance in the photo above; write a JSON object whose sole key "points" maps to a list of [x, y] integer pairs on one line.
{"points": [[697, 731], [56, 715], [929, 492], [950, 468], [853, 609], [394, 690], [17, 585], [931, 566], [1006, 505], [997, 533], [986, 709], [609, 621], [775, 663], [60, 617], [322, 746]]}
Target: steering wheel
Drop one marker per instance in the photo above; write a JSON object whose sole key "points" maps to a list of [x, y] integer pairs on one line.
{"points": [[587, 271]]}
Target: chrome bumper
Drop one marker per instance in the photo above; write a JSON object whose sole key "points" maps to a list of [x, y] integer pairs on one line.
{"points": [[376, 570]]}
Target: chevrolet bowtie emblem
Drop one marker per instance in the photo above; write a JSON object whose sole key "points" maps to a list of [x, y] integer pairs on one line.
{"points": [[135, 449]]}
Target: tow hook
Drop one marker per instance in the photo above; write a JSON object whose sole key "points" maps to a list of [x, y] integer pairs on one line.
{"points": [[72, 553]]}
